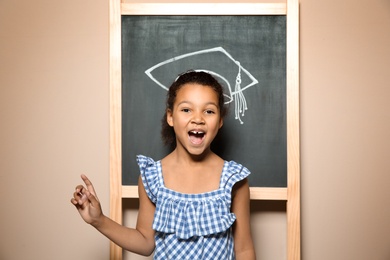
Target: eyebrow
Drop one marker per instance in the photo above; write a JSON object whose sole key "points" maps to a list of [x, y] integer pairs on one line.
{"points": [[208, 103]]}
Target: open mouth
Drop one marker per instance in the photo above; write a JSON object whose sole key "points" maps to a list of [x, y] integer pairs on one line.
{"points": [[196, 137]]}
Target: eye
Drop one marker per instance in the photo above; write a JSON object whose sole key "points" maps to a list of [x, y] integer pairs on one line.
{"points": [[185, 110], [209, 111]]}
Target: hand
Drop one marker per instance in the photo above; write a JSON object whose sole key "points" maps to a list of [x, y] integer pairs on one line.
{"points": [[87, 203]]}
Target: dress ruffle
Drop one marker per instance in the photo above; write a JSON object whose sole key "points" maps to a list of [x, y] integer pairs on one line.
{"points": [[150, 176], [189, 215], [234, 173], [193, 218]]}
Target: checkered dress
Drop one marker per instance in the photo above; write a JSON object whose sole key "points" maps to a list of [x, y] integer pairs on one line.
{"points": [[192, 226]]}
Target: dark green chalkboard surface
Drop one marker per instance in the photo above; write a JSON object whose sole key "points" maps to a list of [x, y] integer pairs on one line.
{"points": [[249, 50]]}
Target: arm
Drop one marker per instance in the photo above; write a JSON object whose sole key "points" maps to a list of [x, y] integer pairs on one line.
{"points": [[139, 240], [243, 243]]}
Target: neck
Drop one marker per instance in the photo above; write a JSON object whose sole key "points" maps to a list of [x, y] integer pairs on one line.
{"points": [[181, 155]]}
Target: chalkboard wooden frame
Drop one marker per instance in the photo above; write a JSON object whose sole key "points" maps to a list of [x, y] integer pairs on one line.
{"points": [[290, 194]]}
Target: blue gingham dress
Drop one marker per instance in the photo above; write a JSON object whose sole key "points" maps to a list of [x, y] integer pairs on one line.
{"points": [[192, 226]]}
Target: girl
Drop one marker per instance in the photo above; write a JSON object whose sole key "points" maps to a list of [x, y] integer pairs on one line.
{"points": [[193, 204]]}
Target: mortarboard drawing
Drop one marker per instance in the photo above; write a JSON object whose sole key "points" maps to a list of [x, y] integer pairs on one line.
{"points": [[216, 61]]}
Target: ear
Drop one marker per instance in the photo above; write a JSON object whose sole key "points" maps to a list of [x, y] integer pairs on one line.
{"points": [[169, 117], [220, 123]]}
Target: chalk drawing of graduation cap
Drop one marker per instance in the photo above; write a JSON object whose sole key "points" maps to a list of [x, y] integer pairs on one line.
{"points": [[216, 61]]}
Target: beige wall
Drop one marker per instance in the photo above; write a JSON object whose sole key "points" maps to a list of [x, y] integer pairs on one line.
{"points": [[54, 117]]}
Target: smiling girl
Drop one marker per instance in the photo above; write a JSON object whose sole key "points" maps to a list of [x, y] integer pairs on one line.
{"points": [[193, 204]]}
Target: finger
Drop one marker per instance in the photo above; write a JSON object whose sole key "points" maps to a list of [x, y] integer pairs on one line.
{"points": [[73, 201], [77, 195], [91, 198], [79, 188], [77, 204], [79, 191], [89, 185]]}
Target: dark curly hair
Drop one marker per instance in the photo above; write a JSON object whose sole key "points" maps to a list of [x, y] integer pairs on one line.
{"points": [[198, 77]]}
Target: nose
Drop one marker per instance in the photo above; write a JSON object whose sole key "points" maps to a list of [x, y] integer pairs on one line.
{"points": [[198, 118]]}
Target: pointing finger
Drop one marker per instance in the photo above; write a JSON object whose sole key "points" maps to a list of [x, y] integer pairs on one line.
{"points": [[92, 199], [89, 185]]}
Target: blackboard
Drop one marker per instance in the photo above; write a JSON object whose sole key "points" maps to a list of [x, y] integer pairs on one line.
{"points": [[166, 46]]}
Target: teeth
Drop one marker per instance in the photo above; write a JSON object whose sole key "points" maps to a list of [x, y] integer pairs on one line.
{"points": [[196, 132]]}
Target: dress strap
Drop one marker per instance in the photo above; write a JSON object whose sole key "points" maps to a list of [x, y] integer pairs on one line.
{"points": [[232, 173], [150, 175]]}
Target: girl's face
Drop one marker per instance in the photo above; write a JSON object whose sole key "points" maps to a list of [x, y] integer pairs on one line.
{"points": [[195, 118]]}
